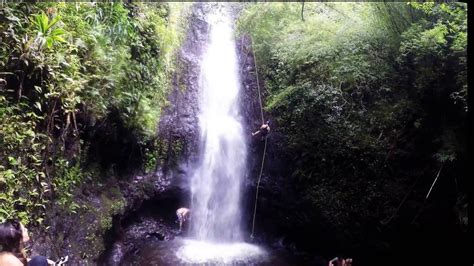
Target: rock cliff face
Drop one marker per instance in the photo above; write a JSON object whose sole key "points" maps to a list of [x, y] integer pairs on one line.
{"points": [[179, 125], [178, 133]]}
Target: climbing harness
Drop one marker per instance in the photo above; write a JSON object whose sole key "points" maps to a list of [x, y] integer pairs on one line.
{"points": [[265, 145]]}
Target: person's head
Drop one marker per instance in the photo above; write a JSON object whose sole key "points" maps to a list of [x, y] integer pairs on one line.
{"points": [[16, 228], [11, 235], [268, 122]]}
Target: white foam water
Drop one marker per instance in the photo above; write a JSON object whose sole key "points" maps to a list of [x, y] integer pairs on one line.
{"points": [[194, 251]]}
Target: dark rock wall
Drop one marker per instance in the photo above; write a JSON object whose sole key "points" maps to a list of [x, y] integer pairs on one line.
{"points": [[179, 123], [275, 196]]}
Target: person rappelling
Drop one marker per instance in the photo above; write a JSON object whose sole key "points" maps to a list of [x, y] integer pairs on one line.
{"points": [[183, 215], [263, 131]]}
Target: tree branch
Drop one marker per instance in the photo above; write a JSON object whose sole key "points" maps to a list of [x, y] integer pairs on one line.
{"points": [[302, 10]]}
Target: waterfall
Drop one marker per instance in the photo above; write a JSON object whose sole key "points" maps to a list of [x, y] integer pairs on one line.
{"points": [[216, 183], [216, 233]]}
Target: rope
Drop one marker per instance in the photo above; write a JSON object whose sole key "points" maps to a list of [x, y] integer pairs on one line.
{"points": [[436, 179], [402, 202], [258, 185], [427, 195], [265, 146], [258, 83]]}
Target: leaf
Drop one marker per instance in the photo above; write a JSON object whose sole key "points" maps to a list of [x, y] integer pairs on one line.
{"points": [[12, 160], [53, 21], [13, 18], [55, 35], [9, 174], [38, 89], [49, 42], [5, 213], [38, 105], [59, 39], [41, 21], [57, 32], [44, 21]]}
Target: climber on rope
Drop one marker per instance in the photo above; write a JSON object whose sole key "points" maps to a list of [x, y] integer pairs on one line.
{"points": [[264, 130], [183, 216]]}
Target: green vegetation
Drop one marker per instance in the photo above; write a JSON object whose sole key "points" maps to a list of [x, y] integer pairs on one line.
{"points": [[368, 97], [369, 101], [67, 70]]}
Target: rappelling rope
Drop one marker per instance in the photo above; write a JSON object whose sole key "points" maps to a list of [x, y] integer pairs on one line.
{"points": [[265, 146], [258, 185], [258, 83]]}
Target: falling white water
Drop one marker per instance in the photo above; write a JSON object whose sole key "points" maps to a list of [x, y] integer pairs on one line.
{"points": [[217, 181], [216, 184]]}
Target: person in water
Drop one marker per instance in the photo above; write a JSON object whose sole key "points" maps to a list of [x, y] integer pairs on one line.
{"points": [[264, 130], [183, 216], [13, 236]]}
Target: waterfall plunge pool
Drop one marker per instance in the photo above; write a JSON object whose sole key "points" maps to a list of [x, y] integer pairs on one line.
{"points": [[194, 251], [185, 251]]}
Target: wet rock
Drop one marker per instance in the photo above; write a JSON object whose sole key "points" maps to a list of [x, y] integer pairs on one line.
{"points": [[134, 232], [116, 254], [179, 125]]}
